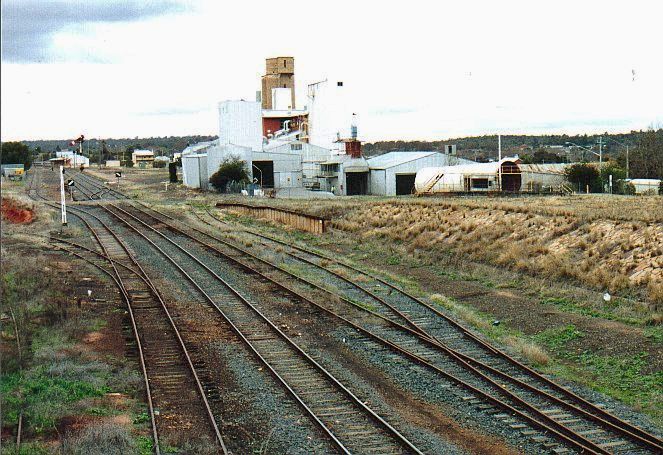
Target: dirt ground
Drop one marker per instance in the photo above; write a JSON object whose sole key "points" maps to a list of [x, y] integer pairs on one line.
{"points": [[525, 314]]}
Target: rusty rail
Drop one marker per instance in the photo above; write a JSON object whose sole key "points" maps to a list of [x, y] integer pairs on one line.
{"points": [[298, 220]]}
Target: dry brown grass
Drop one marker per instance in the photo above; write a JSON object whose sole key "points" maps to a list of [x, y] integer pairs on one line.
{"points": [[529, 350], [585, 239]]}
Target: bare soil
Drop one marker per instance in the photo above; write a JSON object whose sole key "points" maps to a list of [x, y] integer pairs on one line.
{"points": [[528, 315]]}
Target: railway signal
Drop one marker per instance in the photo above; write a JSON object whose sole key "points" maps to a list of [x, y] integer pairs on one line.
{"points": [[70, 185], [118, 175], [63, 206]]}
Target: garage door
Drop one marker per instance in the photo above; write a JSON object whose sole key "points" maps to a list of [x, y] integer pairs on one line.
{"points": [[405, 184]]}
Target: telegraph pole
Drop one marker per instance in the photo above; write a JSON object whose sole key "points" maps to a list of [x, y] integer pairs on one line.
{"points": [[63, 206]]}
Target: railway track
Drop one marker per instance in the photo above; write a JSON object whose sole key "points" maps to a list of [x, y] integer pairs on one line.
{"points": [[175, 395], [393, 302], [174, 383], [535, 405], [349, 422], [510, 391], [94, 189]]}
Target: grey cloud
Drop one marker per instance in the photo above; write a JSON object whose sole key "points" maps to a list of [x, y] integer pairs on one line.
{"points": [[27, 25]]}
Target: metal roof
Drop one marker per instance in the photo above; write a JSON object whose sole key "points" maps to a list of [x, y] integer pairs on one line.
{"points": [[391, 159]]}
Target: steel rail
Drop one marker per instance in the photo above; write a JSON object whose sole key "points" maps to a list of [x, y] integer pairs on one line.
{"points": [[399, 437], [562, 431], [145, 278], [459, 356], [605, 418], [101, 186]]}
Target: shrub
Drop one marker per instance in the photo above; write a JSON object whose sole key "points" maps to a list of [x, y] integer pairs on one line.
{"points": [[106, 439], [159, 163], [582, 175], [231, 174]]}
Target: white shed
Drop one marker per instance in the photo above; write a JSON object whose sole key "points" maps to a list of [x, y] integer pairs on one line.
{"points": [[194, 170], [394, 173], [646, 186]]}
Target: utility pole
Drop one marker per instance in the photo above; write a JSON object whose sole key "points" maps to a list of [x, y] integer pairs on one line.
{"points": [[627, 161], [63, 206], [499, 147]]}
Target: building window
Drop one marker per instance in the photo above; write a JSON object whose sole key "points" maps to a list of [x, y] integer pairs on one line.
{"points": [[284, 64], [480, 183], [295, 146], [339, 84]]}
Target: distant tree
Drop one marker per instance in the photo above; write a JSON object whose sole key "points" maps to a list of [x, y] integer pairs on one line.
{"points": [[646, 160], [542, 156], [232, 169], [105, 153], [128, 158], [57, 148], [581, 175], [618, 175], [16, 153]]}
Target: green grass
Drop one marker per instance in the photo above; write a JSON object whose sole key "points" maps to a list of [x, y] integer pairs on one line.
{"points": [[619, 378], [144, 445], [571, 306], [556, 338], [655, 334], [43, 399]]}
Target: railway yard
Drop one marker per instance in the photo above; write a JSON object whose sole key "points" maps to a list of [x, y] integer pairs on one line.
{"points": [[250, 337]]}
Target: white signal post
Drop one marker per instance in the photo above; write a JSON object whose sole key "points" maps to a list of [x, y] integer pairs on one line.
{"points": [[62, 197]]}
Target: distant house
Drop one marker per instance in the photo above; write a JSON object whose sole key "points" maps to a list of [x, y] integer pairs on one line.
{"points": [[73, 159], [142, 158], [645, 186], [13, 171]]}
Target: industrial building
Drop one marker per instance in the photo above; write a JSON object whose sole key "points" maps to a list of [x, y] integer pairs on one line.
{"points": [[315, 148], [394, 173], [505, 175]]}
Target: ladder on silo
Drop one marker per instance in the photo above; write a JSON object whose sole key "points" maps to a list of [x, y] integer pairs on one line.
{"points": [[431, 183]]}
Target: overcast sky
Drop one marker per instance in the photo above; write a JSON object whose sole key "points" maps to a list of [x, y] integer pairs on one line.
{"points": [[413, 70]]}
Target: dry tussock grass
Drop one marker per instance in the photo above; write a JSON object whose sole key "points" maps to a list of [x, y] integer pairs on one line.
{"points": [[529, 350], [583, 239]]}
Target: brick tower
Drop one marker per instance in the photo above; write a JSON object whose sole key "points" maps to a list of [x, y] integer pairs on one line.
{"points": [[279, 73]]}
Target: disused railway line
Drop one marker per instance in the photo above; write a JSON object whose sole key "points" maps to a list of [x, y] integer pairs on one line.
{"points": [[446, 332], [575, 426]]}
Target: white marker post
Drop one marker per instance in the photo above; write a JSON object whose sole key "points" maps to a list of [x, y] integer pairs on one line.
{"points": [[62, 198]]}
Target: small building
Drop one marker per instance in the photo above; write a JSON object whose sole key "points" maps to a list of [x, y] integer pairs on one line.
{"points": [[112, 163], [393, 174], [73, 159], [142, 158], [194, 170], [645, 186], [13, 171]]}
